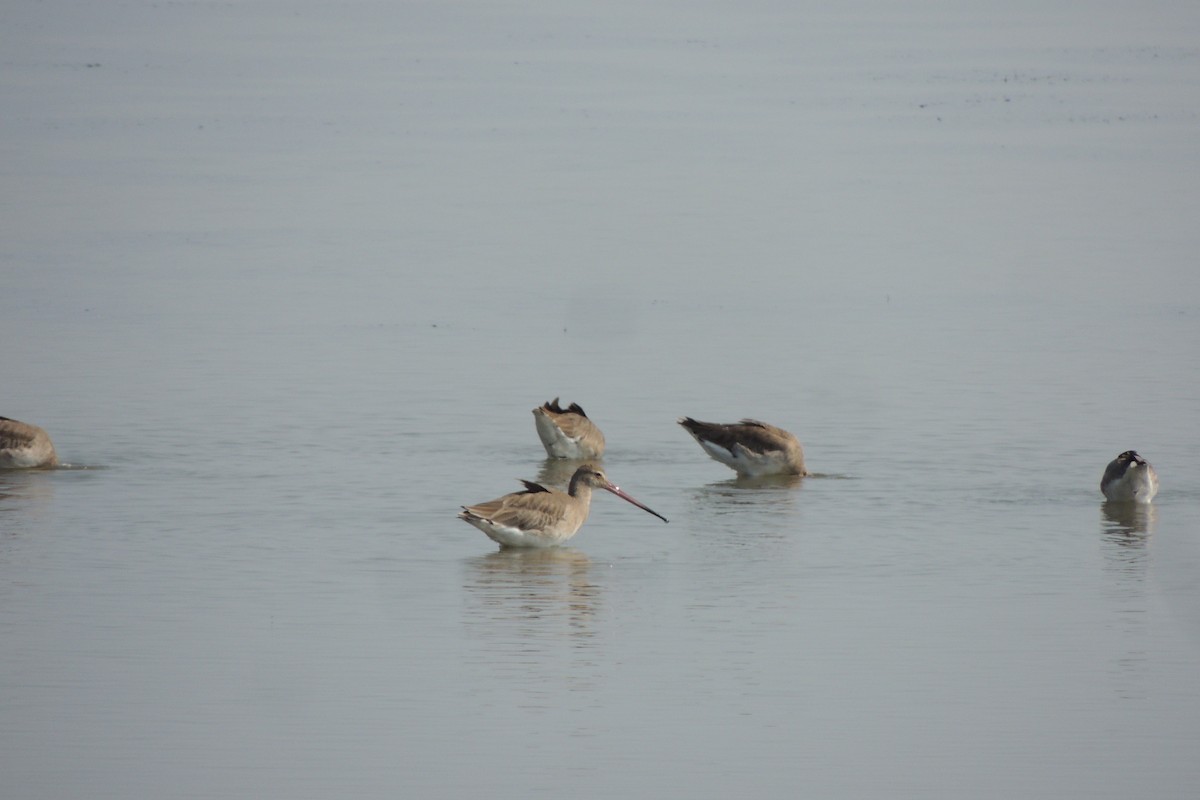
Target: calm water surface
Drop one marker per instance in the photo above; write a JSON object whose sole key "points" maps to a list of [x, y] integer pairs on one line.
{"points": [[284, 285]]}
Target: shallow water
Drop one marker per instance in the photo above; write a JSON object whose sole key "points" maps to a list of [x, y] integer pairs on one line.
{"points": [[284, 284]]}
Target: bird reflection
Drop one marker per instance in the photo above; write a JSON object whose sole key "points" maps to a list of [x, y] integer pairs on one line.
{"points": [[771, 492], [533, 593], [1128, 523], [777, 482], [750, 515], [1126, 528], [30, 488]]}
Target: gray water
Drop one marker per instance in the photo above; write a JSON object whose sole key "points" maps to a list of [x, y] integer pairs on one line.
{"points": [[284, 281]]}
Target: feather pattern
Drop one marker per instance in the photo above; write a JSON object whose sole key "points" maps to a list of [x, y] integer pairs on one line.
{"points": [[541, 517], [25, 446], [567, 433], [750, 447], [1129, 478]]}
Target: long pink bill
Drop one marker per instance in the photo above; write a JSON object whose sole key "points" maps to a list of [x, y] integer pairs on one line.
{"points": [[619, 492]]}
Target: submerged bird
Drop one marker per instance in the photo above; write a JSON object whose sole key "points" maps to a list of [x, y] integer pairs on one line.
{"points": [[541, 517], [1129, 478], [568, 433], [750, 447], [24, 446]]}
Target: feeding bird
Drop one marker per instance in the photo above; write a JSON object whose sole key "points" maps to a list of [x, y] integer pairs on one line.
{"points": [[25, 446], [750, 447], [567, 432]]}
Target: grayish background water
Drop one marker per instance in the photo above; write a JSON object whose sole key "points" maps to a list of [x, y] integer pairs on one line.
{"points": [[284, 281]]}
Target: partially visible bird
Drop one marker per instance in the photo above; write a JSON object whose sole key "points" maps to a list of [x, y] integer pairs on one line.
{"points": [[568, 433], [1129, 478], [750, 447], [25, 446], [541, 517]]}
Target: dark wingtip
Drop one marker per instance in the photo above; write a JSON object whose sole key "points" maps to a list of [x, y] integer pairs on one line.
{"points": [[552, 406], [555, 408]]}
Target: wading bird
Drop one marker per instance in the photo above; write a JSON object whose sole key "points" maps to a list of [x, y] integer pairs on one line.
{"points": [[568, 433], [1129, 478], [25, 446], [541, 517], [750, 447]]}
